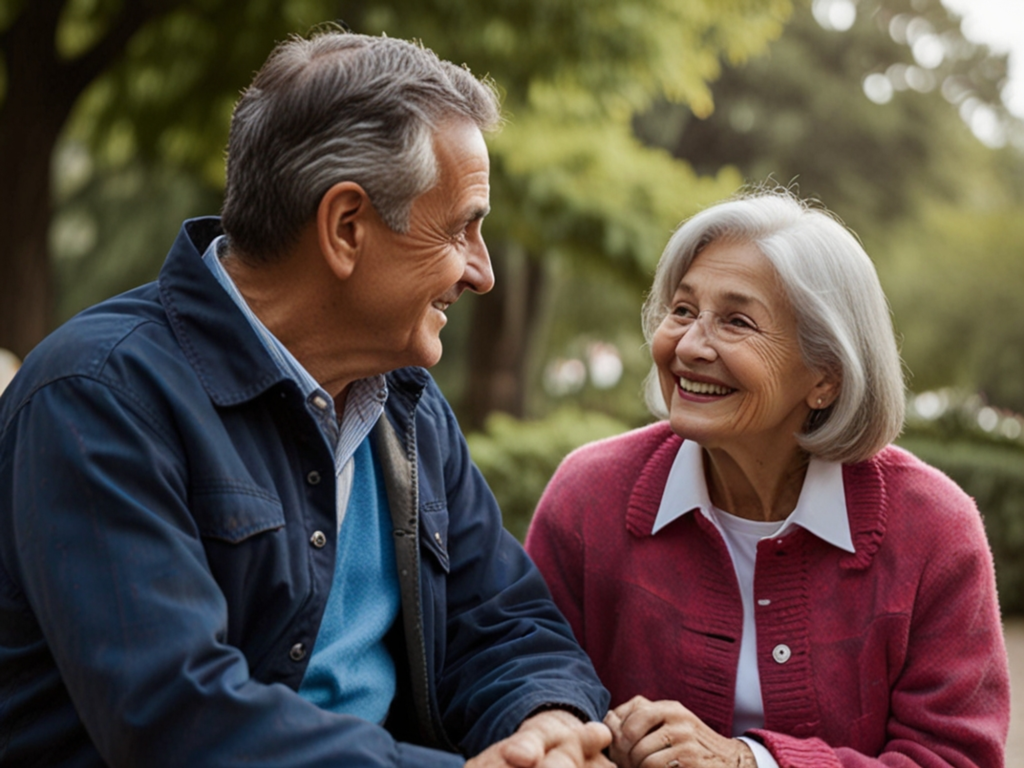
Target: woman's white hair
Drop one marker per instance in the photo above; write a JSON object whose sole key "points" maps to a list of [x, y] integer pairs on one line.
{"points": [[844, 324]]}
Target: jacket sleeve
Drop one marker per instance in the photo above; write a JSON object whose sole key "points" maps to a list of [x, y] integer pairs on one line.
{"points": [[555, 542], [102, 544], [949, 703], [509, 650]]}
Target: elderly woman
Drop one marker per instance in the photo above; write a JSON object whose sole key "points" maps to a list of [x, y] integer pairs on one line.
{"points": [[762, 579]]}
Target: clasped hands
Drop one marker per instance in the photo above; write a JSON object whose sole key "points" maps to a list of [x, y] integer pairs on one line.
{"points": [[637, 734], [665, 734]]}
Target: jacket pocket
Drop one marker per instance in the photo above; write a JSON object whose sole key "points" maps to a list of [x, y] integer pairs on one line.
{"points": [[233, 513], [434, 532]]}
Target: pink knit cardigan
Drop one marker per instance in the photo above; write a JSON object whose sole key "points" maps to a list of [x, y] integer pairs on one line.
{"points": [[892, 656]]}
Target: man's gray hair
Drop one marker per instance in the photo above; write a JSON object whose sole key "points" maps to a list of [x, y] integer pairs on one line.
{"points": [[844, 323], [340, 107]]}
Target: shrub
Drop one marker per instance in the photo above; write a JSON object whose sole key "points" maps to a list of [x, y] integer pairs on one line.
{"points": [[519, 457]]}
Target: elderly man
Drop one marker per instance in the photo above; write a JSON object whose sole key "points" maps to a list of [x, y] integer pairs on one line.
{"points": [[238, 521]]}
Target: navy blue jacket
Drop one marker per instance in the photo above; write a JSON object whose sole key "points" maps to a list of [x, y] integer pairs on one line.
{"points": [[161, 585]]}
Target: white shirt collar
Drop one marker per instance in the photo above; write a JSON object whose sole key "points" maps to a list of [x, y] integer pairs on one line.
{"points": [[821, 508]]}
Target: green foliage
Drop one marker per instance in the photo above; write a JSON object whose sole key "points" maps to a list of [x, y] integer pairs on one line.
{"points": [[800, 113], [518, 457], [90, 241], [992, 472], [956, 289]]}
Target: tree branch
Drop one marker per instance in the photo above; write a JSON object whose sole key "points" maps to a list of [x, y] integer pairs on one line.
{"points": [[79, 73]]}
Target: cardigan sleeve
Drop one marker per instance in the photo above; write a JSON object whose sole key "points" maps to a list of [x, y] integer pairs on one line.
{"points": [[949, 702]]}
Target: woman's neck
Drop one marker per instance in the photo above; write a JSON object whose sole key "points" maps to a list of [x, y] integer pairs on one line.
{"points": [[755, 488]]}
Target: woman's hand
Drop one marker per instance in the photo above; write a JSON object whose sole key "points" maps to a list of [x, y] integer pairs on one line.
{"points": [[665, 734]]}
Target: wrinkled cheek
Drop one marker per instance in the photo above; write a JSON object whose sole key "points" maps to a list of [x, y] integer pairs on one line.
{"points": [[755, 411], [663, 354]]}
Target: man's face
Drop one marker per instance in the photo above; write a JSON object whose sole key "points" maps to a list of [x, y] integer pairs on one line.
{"points": [[409, 280]]}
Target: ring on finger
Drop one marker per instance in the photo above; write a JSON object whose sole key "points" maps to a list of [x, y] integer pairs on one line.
{"points": [[672, 764]]}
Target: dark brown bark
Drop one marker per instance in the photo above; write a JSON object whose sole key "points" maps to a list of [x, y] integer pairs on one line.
{"points": [[41, 91], [501, 338]]}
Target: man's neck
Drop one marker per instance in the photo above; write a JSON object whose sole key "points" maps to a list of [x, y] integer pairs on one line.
{"points": [[289, 298]]}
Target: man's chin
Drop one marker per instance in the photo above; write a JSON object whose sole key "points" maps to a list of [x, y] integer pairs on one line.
{"points": [[427, 356]]}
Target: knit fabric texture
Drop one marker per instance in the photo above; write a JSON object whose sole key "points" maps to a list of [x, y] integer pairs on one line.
{"points": [[892, 655], [351, 671]]}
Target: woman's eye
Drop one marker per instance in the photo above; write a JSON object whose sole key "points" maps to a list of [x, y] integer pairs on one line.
{"points": [[683, 312], [741, 324]]}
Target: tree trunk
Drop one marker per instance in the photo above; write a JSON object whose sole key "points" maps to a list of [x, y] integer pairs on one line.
{"points": [[42, 88], [26, 295], [501, 337], [30, 121]]}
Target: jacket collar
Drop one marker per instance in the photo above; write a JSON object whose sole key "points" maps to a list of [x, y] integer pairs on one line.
{"points": [[220, 345]]}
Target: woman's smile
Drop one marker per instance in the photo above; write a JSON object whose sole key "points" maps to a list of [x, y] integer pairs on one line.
{"points": [[700, 391]]}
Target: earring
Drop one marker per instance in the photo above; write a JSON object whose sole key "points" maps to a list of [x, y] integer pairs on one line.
{"points": [[819, 402]]}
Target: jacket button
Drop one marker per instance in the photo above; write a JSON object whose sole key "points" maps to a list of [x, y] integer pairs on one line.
{"points": [[313, 478], [318, 539], [297, 652], [781, 653]]}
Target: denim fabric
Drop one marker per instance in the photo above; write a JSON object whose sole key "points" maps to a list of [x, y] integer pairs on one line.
{"points": [[161, 483]]}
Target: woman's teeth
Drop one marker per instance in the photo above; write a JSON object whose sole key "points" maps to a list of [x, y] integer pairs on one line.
{"points": [[702, 388]]}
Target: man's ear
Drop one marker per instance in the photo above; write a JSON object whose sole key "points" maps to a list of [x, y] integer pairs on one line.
{"points": [[341, 226]]}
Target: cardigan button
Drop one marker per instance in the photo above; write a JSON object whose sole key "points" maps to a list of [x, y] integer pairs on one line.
{"points": [[318, 539], [781, 653], [297, 652]]}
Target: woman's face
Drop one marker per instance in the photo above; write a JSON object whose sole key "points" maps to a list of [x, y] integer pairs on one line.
{"points": [[735, 379]]}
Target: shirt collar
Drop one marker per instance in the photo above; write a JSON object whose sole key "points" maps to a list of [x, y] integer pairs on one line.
{"points": [[820, 510]]}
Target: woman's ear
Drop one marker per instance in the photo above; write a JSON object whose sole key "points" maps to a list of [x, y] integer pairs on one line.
{"points": [[341, 226], [824, 393]]}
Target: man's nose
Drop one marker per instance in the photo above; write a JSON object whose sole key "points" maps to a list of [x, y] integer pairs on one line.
{"points": [[479, 275]]}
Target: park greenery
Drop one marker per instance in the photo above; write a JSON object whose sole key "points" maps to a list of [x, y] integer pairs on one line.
{"points": [[623, 117]]}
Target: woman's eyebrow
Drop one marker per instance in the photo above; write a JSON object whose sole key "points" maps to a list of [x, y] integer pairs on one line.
{"points": [[735, 298]]}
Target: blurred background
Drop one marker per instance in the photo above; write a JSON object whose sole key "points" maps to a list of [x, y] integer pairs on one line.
{"points": [[624, 117]]}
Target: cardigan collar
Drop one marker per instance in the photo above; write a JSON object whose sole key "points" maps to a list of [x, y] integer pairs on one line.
{"points": [[864, 489], [820, 509]]}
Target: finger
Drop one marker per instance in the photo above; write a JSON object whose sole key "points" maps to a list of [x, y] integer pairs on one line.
{"points": [[645, 717], [655, 749], [614, 723], [625, 708], [581, 745], [596, 738], [523, 749]]}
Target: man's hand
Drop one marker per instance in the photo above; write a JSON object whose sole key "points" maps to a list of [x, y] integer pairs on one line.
{"points": [[551, 739], [665, 734]]}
